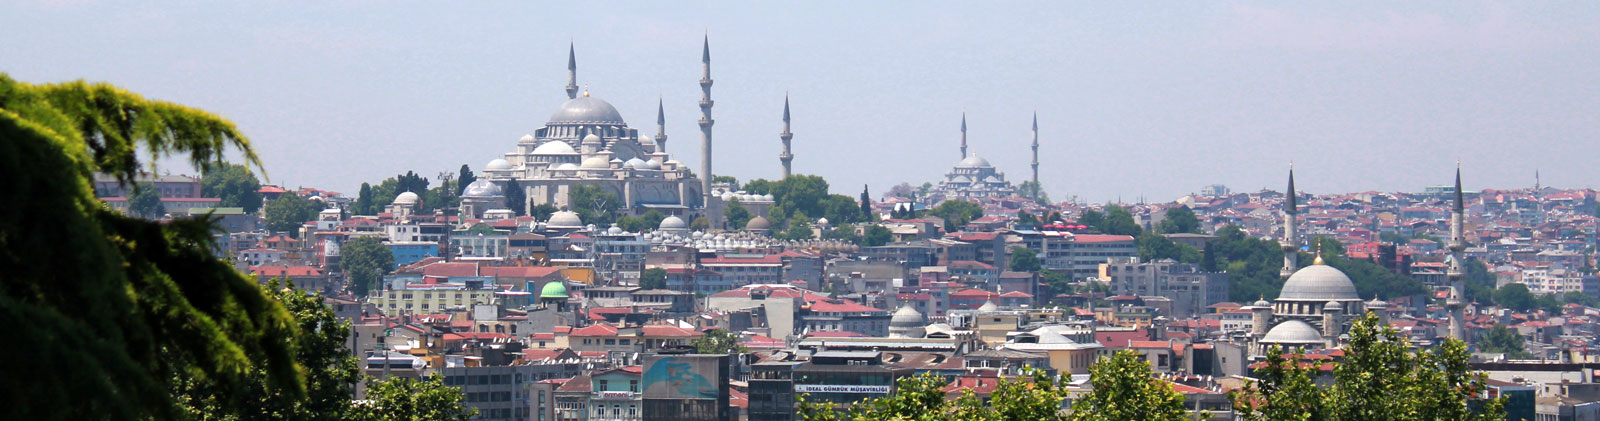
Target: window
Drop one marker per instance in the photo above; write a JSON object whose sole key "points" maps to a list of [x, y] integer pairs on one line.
{"points": [[633, 386], [602, 385]]}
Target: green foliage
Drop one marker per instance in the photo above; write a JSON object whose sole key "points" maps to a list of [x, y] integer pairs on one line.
{"points": [[1119, 221], [331, 372], [652, 219], [653, 278], [1090, 218], [1515, 296], [145, 202], [1125, 390], [1056, 282], [1026, 219], [699, 224], [1500, 339], [733, 183], [841, 209], [1380, 378], [517, 199], [807, 194], [1252, 264], [464, 178], [1369, 278], [717, 341], [1153, 247], [1024, 259], [1180, 220], [289, 211], [106, 309], [542, 211], [845, 232], [594, 204], [876, 235], [1479, 283], [234, 184], [798, 230], [758, 186], [363, 204], [365, 260], [1032, 190], [416, 400], [1579, 298], [956, 213], [735, 215], [866, 204]]}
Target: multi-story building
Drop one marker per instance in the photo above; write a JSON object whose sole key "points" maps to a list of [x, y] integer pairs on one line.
{"points": [[746, 269], [1190, 288], [415, 295]]}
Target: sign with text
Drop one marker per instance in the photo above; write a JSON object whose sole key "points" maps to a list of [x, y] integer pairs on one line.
{"points": [[839, 388]]}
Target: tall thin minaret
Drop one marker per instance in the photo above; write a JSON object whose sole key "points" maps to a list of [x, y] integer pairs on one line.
{"points": [[572, 71], [1291, 237], [1458, 266], [661, 126], [706, 175], [1036, 186], [786, 156], [963, 134]]}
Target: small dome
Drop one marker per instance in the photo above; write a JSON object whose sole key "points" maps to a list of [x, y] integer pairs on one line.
{"points": [[586, 110], [526, 138], [635, 163], [652, 165], [482, 188], [1293, 332], [591, 138], [973, 162], [645, 140], [497, 164], [906, 316], [1376, 303], [614, 230], [554, 147], [960, 179], [729, 196], [556, 289], [565, 219], [1332, 306], [567, 167], [1318, 283], [406, 198], [673, 223], [596, 163], [988, 306], [759, 223], [822, 221], [1262, 303]]}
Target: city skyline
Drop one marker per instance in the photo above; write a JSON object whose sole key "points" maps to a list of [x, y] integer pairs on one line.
{"points": [[1127, 98]]}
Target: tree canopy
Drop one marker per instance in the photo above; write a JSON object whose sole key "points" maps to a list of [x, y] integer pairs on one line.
{"points": [[594, 204], [653, 278], [956, 213], [1499, 339], [401, 398], [234, 184], [735, 215], [120, 305], [1123, 389], [876, 235], [1180, 220], [717, 341], [1024, 259], [289, 211], [145, 202], [365, 260]]}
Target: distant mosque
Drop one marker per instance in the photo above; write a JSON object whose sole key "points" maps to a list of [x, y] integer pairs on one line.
{"points": [[974, 178]]}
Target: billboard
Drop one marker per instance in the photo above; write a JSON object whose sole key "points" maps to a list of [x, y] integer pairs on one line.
{"points": [[684, 376], [831, 388]]}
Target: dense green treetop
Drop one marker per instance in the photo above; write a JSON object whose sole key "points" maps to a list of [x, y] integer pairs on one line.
{"points": [[289, 211], [234, 184], [365, 260]]}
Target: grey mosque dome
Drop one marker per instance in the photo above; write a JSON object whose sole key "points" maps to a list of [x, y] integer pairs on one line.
{"points": [[596, 163], [906, 316], [973, 162], [1318, 283], [554, 147], [1293, 332], [758, 223], [673, 223], [482, 188], [565, 219], [498, 164], [586, 110], [406, 198]]}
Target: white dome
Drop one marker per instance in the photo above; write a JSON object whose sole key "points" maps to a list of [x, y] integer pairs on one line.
{"points": [[497, 164], [591, 138], [767, 197], [567, 166], [728, 197], [635, 163], [1293, 332], [988, 306], [565, 219], [482, 188], [652, 165], [614, 230], [586, 110], [554, 147], [406, 198], [645, 140], [673, 223], [526, 138], [906, 316], [758, 223], [596, 163], [822, 221], [973, 162], [1318, 283]]}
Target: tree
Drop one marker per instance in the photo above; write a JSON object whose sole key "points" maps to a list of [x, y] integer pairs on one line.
{"points": [[1125, 390], [1033, 191], [517, 199], [1153, 247], [876, 235], [758, 186], [1024, 259], [234, 184], [288, 212], [718, 341], [1500, 339], [633, 224], [1380, 378], [957, 213], [919, 397], [1119, 221], [365, 260], [331, 372], [866, 205], [735, 214], [1180, 220], [902, 190], [652, 219], [543, 211], [922, 190], [733, 183], [1091, 218], [1514, 296], [1579, 298], [401, 398], [363, 204], [1025, 219], [843, 232], [145, 202], [464, 179], [799, 229], [841, 209], [594, 204], [120, 305], [699, 224], [653, 278]]}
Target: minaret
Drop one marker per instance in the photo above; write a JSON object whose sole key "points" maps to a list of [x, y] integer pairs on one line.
{"points": [[705, 136], [963, 134], [1036, 186], [661, 127], [786, 157], [572, 71], [1291, 239], [1457, 269]]}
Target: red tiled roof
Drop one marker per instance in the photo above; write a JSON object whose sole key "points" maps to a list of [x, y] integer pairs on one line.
{"points": [[450, 269], [275, 271], [597, 329], [842, 306], [664, 330], [1101, 238]]}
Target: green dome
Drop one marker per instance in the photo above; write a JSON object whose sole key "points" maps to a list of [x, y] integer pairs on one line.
{"points": [[555, 289]]}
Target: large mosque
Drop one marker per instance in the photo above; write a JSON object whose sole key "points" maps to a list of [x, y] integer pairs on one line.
{"points": [[974, 178]]}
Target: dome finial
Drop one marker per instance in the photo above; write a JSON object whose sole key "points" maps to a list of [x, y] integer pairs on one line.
{"points": [[585, 90], [1318, 260]]}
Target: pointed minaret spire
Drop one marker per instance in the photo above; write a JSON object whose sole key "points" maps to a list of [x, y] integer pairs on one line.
{"points": [[710, 208], [786, 157], [963, 134], [1291, 237], [572, 70], [1036, 186], [661, 126], [1457, 270]]}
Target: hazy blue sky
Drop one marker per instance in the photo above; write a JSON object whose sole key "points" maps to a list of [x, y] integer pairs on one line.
{"points": [[1153, 99]]}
